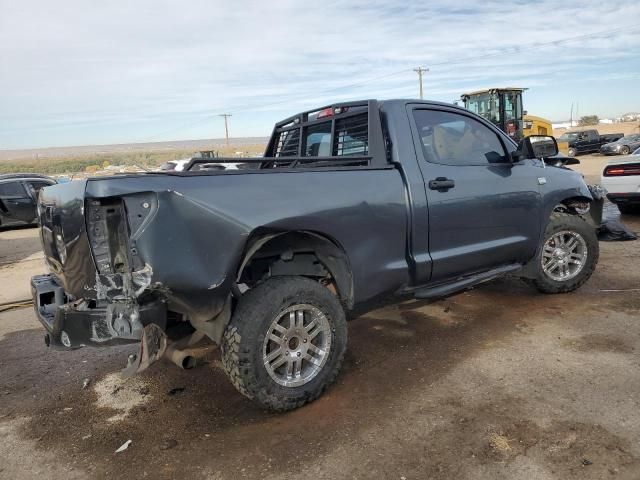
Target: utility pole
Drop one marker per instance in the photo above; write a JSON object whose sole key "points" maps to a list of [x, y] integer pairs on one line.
{"points": [[571, 116], [226, 126], [420, 71]]}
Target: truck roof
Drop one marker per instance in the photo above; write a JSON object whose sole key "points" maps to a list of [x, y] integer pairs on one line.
{"points": [[16, 176], [355, 133], [363, 102], [494, 90], [354, 130]]}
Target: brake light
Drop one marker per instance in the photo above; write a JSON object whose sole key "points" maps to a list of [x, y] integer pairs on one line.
{"points": [[622, 170], [330, 111], [327, 112]]}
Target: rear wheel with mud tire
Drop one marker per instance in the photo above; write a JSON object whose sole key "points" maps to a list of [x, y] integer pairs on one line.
{"points": [[285, 342], [569, 254]]}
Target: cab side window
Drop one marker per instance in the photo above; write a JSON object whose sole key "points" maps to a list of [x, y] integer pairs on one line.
{"points": [[36, 186], [453, 139], [12, 190]]}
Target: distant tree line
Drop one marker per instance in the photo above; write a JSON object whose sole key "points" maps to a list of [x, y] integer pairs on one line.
{"points": [[588, 120]]}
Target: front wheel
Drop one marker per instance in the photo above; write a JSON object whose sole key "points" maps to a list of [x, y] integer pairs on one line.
{"points": [[572, 152], [569, 254], [625, 150], [285, 342]]}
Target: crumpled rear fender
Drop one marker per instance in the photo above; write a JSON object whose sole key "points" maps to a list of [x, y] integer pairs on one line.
{"points": [[189, 249]]}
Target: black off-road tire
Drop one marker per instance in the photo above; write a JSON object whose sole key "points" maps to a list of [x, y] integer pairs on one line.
{"points": [[560, 221], [242, 343]]}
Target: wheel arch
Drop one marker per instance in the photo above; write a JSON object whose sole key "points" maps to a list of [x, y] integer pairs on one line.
{"points": [[572, 204], [297, 249], [589, 208]]}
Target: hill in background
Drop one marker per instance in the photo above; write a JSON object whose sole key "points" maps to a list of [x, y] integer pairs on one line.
{"points": [[68, 160]]}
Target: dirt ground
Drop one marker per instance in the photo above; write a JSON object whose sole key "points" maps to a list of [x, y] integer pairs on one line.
{"points": [[623, 127], [499, 382]]}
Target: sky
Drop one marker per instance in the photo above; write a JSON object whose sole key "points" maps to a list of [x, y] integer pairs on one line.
{"points": [[82, 72]]}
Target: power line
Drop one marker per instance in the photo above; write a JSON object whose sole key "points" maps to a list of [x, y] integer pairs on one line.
{"points": [[499, 53], [532, 46]]}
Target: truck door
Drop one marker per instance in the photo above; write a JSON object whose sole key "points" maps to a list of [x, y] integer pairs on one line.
{"points": [[594, 140], [588, 141], [484, 210], [16, 204]]}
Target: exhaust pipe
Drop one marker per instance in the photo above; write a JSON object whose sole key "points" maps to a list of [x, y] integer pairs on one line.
{"points": [[181, 358]]}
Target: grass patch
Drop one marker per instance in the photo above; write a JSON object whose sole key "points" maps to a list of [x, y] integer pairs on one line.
{"points": [[499, 443]]}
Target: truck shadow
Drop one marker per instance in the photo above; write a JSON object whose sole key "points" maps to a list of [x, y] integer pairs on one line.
{"points": [[395, 353]]}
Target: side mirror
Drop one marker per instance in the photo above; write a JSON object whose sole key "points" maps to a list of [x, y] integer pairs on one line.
{"points": [[537, 146]]}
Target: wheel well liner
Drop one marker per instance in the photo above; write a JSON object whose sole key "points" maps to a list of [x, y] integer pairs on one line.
{"points": [[594, 214], [579, 198], [264, 244]]}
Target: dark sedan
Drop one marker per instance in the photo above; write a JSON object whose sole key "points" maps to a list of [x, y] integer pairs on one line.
{"points": [[624, 146], [18, 198]]}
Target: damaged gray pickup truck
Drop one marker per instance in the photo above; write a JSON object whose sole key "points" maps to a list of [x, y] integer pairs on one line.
{"points": [[351, 202]]}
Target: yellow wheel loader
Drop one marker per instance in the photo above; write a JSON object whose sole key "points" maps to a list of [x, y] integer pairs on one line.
{"points": [[503, 108]]}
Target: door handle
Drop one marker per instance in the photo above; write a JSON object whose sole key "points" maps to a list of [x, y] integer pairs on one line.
{"points": [[441, 184]]}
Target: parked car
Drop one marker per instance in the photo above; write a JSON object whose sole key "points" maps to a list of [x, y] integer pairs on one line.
{"points": [[18, 196], [181, 165], [175, 165], [351, 202], [623, 146], [587, 141], [621, 179]]}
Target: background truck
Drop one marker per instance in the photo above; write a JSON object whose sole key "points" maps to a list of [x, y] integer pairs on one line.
{"points": [[587, 141], [350, 203]]}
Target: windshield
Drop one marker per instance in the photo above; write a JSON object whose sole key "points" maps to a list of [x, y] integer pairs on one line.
{"points": [[565, 137], [512, 106], [485, 105]]}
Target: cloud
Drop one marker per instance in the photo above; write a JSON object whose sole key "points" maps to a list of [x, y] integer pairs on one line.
{"points": [[96, 72]]}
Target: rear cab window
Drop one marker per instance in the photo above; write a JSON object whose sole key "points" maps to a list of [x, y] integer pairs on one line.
{"points": [[341, 131]]}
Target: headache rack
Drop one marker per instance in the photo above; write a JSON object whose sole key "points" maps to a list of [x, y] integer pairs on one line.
{"points": [[339, 135]]}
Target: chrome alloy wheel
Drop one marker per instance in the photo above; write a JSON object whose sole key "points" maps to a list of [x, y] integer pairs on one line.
{"points": [[297, 345], [564, 255]]}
